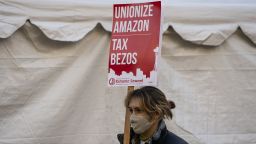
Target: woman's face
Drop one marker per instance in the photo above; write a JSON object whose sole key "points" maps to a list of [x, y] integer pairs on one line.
{"points": [[140, 120]]}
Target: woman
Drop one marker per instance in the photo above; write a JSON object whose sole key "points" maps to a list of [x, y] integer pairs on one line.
{"points": [[148, 107]]}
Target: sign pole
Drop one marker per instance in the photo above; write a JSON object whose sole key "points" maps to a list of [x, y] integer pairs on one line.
{"points": [[127, 121]]}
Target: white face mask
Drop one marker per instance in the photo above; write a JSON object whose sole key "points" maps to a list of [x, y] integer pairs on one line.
{"points": [[140, 123]]}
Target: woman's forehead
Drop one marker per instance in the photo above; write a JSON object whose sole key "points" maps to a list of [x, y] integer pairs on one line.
{"points": [[135, 102]]}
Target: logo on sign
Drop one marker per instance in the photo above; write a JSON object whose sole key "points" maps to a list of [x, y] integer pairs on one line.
{"points": [[111, 81]]}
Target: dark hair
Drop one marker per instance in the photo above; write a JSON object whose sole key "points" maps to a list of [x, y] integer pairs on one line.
{"points": [[153, 100]]}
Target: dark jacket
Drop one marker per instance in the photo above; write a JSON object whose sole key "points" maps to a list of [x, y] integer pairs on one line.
{"points": [[166, 137]]}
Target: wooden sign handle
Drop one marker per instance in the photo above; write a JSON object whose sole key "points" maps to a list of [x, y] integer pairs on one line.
{"points": [[127, 121]]}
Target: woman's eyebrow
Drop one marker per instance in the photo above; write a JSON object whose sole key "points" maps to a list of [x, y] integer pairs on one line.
{"points": [[133, 107]]}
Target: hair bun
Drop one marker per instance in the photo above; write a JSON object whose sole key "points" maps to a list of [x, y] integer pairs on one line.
{"points": [[171, 104]]}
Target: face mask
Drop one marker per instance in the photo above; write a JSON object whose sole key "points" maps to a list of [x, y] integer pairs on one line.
{"points": [[140, 123]]}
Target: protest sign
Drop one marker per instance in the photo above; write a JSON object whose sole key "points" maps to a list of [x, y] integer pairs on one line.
{"points": [[135, 44]]}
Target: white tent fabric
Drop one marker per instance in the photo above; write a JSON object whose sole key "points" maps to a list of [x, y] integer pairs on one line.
{"points": [[55, 92], [65, 20]]}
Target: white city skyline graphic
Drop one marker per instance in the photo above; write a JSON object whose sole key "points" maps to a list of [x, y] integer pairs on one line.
{"points": [[125, 79]]}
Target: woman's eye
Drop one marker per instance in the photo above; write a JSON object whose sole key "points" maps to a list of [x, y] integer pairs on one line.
{"points": [[138, 110]]}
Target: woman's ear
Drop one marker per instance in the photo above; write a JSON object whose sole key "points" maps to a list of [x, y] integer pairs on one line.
{"points": [[155, 116]]}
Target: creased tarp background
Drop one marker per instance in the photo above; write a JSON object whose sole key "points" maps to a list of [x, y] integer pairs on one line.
{"points": [[56, 91]]}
